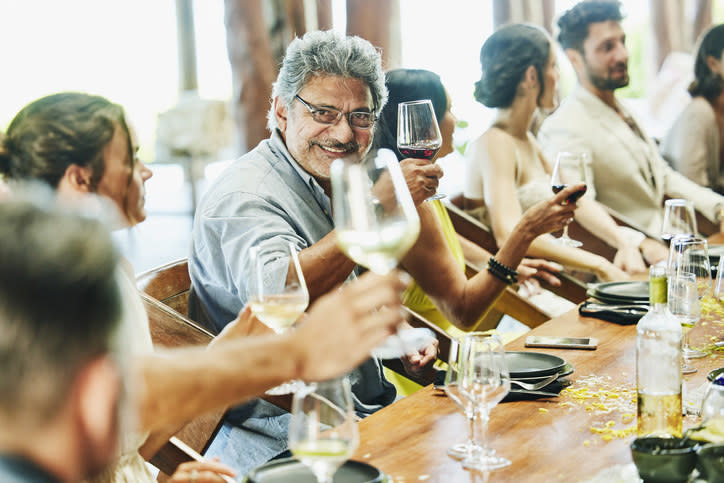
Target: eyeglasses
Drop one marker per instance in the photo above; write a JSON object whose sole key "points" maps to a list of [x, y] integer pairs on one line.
{"points": [[330, 115]]}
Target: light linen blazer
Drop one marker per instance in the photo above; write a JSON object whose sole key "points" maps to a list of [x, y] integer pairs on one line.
{"points": [[692, 144], [627, 174]]}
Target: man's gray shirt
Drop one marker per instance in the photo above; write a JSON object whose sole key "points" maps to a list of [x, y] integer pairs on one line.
{"points": [[263, 199]]}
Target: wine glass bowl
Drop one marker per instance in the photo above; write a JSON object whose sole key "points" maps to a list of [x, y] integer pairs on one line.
{"points": [[323, 430], [277, 305], [569, 168], [679, 219], [375, 218], [418, 134]]}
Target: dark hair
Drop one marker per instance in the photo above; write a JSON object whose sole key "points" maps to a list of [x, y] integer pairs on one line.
{"points": [[407, 85], [706, 83], [504, 58], [60, 303], [573, 24], [53, 132]]}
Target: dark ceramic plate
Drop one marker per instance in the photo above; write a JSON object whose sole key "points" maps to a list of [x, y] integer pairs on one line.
{"points": [[290, 469], [564, 371], [620, 292], [715, 372], [532, 364]]}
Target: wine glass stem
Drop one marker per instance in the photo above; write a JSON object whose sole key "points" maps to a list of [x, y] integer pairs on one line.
{"points": [[479, 427], [565, 233]]}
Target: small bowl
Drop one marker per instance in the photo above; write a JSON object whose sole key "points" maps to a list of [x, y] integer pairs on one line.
{"points": [[664, 459], [710, 462]]}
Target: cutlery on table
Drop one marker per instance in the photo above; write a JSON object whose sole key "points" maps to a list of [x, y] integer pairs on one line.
{"points": [[538, 385]]}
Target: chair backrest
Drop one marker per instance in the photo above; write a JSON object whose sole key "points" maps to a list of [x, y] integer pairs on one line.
{"points": [[171, 329], [169, 283]]}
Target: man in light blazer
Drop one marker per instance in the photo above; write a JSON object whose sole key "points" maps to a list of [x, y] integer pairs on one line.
{"points": [[628, 174]]}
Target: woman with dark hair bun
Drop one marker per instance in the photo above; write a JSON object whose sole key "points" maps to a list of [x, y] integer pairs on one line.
{"points": [[506, 171], [693, 144]]}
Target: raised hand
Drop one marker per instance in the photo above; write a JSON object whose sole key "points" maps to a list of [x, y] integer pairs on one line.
{"points": [[422, 178]]}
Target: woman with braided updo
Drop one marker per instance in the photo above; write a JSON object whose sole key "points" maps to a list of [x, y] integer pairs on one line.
{"points": [[506, 171], [693, 144]]}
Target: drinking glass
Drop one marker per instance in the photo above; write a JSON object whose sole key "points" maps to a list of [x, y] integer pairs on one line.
{"points": [[452, 389], [683, 303], [689, 254], [679, 219], [484, 381], [376, 223], [278, 305], [719, 282], [570, 168], [323, 428], [418, 135]]}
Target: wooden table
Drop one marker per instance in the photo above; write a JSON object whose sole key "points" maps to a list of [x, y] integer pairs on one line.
{"points": [[546, 439]]}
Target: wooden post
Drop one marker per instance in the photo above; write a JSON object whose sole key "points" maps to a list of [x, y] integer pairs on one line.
{"points": [[188, 80]]}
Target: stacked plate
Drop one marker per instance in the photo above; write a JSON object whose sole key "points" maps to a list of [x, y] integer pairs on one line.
{"points": [[290, 469], [620, 293], [533, 367]]}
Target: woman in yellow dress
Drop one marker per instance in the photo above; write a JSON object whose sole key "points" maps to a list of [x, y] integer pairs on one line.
{"points": [[441, 292]]}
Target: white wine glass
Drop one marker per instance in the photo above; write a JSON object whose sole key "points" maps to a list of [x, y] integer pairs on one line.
{"points": [[689, 254], [679, 219], [418, 134], [683, 303], [569, 168], [323, 430], [451, 386], [484, 381], [376, 223], [278, 301]]}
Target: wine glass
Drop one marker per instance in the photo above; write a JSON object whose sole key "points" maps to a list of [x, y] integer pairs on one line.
{"points": [[570, 168], [683, 303], [418, 135], [277, 301], [484, 381], [452, 389], [689, 254], [323, 428], [679, 219], [376, 224], [719, 282]]}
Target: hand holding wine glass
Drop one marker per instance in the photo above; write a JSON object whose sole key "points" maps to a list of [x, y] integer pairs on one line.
{"points": [[570, 168], [323, 429], [418, 134], [376, 223], [278, 307]]}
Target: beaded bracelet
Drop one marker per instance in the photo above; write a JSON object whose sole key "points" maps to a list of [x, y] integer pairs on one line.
{"points": [[501, 272]]}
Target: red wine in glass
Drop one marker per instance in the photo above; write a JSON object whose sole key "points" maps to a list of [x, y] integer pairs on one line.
{"points": [[574, 196], [420, 151]]}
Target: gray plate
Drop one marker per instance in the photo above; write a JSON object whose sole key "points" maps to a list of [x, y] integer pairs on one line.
{"points": [[531, 364], [290, 469], [620, 291], [564, 371]]}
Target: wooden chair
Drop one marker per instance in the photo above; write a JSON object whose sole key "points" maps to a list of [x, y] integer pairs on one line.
{"points": [[171, 329], [169, 284]]}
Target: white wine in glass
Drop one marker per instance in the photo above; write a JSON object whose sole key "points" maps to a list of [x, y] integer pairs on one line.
{"points": [[278, 307], [374, 215], [323, 429]]}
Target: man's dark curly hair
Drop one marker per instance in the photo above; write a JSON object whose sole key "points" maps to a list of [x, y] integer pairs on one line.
{"points": [[574, 23]]}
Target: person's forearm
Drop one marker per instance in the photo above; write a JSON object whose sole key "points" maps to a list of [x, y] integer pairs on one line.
{"points": [[591, 216], [572, 258], [230, 374], [473, 253], [324, 266]]}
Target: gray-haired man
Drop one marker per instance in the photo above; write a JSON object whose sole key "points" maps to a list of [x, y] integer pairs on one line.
{"points": [[325, 101]]}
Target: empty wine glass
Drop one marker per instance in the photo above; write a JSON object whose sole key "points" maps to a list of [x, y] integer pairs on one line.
{"points": [[323, 429], [570, 168], [452, 389], [679, 219], [418, 135], [277, 301], [484, 381], [689, 254], [683, 303]]}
